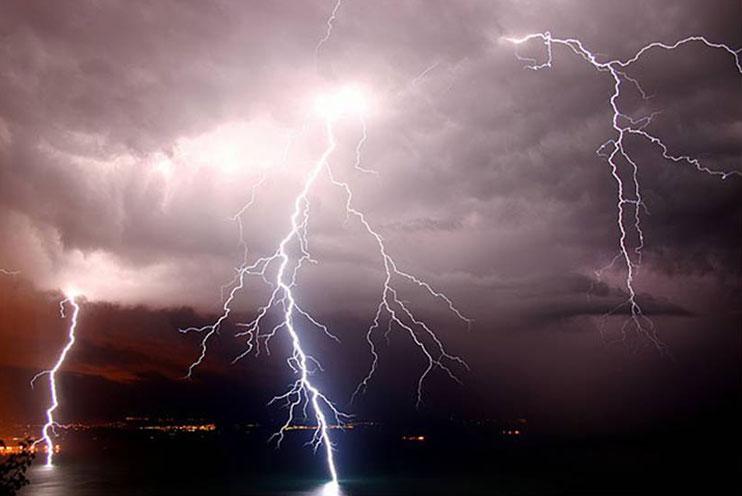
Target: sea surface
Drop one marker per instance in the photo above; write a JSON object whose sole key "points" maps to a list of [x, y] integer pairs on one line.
{"points": [[377, 463]]}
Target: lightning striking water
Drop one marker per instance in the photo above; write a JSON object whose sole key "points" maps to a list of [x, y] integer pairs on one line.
{"points": [[614, 150], [303, 393], [50, 424]]}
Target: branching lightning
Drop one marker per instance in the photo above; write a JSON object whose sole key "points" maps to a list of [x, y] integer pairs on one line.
{"points": [[614, 150], [49, 427], [303, 393]]}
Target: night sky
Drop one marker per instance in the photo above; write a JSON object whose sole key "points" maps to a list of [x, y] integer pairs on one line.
{"points": [[131, 132]]}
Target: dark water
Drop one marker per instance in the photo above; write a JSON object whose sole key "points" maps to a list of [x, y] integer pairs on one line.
{"points": [[85, 477], [373, 462], [378, 463]]}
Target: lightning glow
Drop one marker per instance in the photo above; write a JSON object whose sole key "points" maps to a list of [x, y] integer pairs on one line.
{"points": [[48, 429], [614, 150], [303, 394]]}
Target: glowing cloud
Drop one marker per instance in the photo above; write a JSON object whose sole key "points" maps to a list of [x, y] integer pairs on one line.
{"points": [[347, 101]]}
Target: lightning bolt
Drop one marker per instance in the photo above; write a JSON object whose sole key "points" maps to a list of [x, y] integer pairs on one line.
{"points": [[614, 150], [49, 427], [303, 393]]}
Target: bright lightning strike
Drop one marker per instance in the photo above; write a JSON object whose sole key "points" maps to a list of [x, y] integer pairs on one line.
{"points": [[347, 102], [49, 427], [614, 150]]}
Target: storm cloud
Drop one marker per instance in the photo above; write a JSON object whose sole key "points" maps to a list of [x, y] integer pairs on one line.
{"points": [[132, 131]]}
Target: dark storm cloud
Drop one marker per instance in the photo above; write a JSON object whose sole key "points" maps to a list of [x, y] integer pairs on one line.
{"points": [[489, 183]]}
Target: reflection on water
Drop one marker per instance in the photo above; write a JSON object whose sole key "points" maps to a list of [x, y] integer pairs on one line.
{"points": [[330, 489], [45, 481], [79, 480]]}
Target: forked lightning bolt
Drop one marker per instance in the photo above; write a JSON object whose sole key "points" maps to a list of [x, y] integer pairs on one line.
{"points": [[303, 394], [49, 426], [615, 151]]}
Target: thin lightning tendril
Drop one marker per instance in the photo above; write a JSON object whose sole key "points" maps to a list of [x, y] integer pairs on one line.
{"points": [[50, 425], [615, 150], [359, 148], [330, 23]]}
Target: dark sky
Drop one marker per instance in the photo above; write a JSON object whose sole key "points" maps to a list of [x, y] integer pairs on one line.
{"points": [[131, 131]]}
